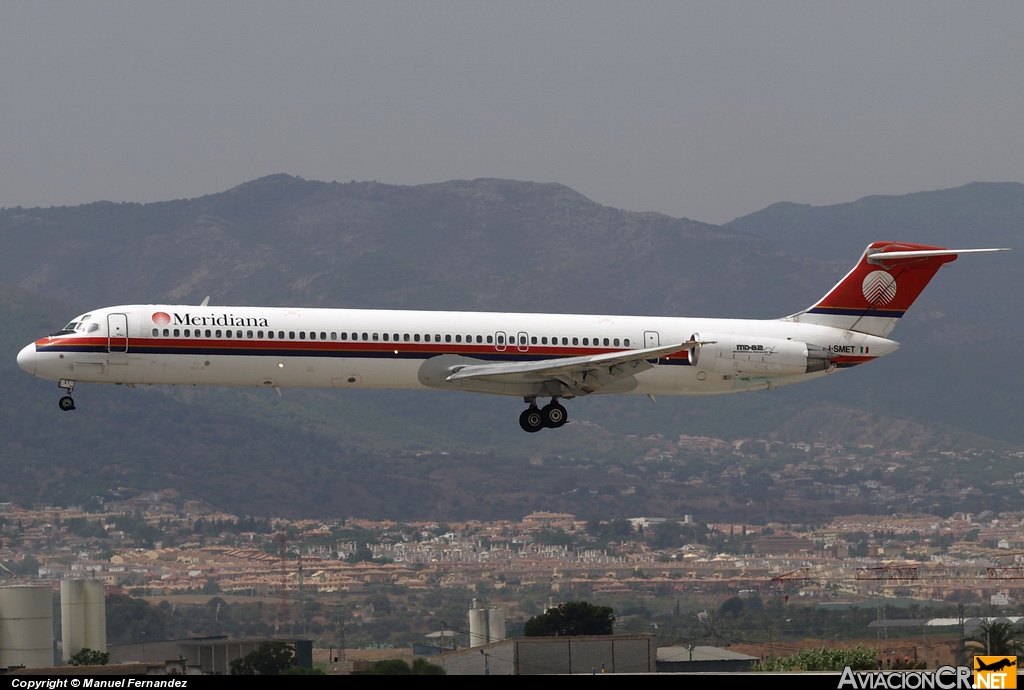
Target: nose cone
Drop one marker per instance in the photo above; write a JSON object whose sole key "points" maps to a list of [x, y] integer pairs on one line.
{"points": [[27, 358]]}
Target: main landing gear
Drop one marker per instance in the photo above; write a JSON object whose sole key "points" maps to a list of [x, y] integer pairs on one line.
{"points": [[551, 416], [66, 403]]}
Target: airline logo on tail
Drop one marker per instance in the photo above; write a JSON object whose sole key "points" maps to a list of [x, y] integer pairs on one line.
{"points": [[879, 288]]}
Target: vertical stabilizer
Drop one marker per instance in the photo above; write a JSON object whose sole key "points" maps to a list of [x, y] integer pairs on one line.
{"points": [[873, 296]]}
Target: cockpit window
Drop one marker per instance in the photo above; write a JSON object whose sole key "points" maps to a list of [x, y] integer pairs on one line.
{"points": [[79, 325]]}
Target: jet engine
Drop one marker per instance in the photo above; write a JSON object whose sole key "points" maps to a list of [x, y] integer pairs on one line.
{"points": [[742, 355]]}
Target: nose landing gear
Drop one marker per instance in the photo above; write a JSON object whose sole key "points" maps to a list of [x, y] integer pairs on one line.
{"points": [[66, 403], [552, 416]]}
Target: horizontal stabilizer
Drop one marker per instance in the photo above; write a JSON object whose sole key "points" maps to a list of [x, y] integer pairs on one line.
{"points": [[876, 257]]}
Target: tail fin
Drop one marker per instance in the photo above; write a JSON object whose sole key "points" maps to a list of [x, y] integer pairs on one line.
{"points": [[881, 287]]}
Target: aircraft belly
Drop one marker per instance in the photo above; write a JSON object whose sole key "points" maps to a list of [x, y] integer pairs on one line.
{"points": [[307, 372], [685, 380]]}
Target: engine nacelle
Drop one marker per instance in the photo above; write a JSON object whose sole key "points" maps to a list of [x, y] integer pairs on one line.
{"points": [[742, 355]]}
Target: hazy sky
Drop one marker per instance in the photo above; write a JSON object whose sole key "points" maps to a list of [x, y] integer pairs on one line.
{"points": [[708, 110]]}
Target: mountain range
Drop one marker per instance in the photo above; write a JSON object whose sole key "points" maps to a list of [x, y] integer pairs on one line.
{"points": [[484, 244]]}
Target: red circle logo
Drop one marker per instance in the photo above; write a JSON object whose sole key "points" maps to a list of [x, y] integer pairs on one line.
{"points": [[161, 318]]}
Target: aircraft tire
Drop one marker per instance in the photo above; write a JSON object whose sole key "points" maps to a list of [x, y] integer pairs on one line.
{"points": [[67, 403], [554, 415], [531, 420]]}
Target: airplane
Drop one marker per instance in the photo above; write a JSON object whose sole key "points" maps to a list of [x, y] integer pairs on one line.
{"points": [[554, 356]]}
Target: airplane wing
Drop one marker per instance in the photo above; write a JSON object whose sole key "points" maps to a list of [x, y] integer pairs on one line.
{"points": [[582, 375]]}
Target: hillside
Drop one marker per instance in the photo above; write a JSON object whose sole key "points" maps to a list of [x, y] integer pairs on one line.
{"points": [[481, 244]]}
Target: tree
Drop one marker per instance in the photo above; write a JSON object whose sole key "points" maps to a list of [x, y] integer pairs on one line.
{"points": [[571, 618], [89, 657], [733, 606], [860, 658], [131, 621], [397, 667], [997, 638], [269, 659]]}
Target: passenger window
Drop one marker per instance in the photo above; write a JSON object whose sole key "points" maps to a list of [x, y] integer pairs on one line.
{"points": [[270, 334], [458, 338], [334, 335], [575, 341], [585, 342], [416, 337], [280, 335], [166, 332], [291, 335], [447, 338], [248, 334], [405, 337], [626, 342], [156, 332], [437, 337], [501, 340], [218, 332], [533, 340], [323, 335], [385, 337], [565, 341], [490, 339], [207, 332], [616, 342]]}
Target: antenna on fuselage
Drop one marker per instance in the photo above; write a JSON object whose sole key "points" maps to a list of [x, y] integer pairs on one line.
{"points": [[205, 301]]}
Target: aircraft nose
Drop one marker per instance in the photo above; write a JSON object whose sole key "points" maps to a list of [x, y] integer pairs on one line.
{"points": [[27, 358]]}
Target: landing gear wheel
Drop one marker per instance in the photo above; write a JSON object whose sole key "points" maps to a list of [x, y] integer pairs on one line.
{"points": [[554, 415], [531, 420], [67, 403]]}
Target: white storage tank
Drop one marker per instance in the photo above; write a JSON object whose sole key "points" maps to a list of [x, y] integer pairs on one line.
{"points": [[477, 627], [26, 626], [72, 603], [83, 616], [496, 624], [95, 616]]}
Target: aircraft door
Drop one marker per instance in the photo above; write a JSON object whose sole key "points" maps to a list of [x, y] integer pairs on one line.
{"points": [[524, 342], [652, 339], [499, 341], [117, 333]]}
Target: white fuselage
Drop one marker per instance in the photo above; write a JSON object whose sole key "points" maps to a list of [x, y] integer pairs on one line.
{"points": [[347, 348]]}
